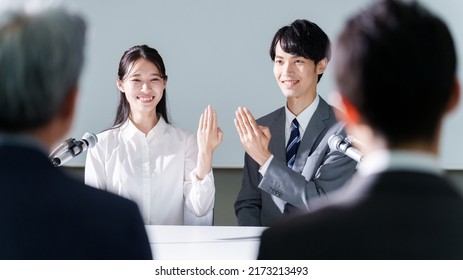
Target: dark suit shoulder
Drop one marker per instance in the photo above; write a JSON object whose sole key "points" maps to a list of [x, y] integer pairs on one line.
{"points": [[327, 112], [401, 215], [59, 217], [271, 117]]}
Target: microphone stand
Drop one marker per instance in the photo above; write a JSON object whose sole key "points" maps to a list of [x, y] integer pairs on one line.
{"points": [[68, 144]]}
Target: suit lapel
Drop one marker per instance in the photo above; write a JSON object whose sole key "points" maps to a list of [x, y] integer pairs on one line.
{"points": [[316, 126], [277, 144], [312, 132]]}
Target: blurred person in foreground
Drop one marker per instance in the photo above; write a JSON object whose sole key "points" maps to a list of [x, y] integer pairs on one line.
{"points": [[395, 67], [44, 213]]}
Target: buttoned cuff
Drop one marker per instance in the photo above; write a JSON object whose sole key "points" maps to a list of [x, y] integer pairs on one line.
{"points": [[208, 179], [263, 168]]}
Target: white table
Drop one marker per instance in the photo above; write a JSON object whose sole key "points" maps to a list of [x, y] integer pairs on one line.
{"points": [[204, 242]]}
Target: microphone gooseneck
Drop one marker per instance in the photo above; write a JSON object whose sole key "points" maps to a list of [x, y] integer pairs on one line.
{"points": [[71, 148], [339, 143]]}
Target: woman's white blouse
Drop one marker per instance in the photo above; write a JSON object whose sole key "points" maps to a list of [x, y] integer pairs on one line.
{"points": [[157, 171]]}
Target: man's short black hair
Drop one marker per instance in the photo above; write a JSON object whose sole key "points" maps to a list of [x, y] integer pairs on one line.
{"points": [[303, 38]]}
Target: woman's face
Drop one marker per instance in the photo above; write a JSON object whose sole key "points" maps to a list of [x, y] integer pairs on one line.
{"points": [[143, 86]]}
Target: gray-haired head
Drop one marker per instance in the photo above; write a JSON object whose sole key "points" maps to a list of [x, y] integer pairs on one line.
{"points": [[41, 58]]}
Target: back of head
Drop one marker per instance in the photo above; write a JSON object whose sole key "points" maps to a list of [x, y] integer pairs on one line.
{"points": [[396, 64], [303, 38], [41, 57]]}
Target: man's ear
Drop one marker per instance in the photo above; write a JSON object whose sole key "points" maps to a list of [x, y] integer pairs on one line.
{"points": [[321, 66], [455, 98], [350, 114], [69, 104]]}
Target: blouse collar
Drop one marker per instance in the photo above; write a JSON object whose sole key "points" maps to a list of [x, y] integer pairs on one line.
{"points": [[129, 130]]}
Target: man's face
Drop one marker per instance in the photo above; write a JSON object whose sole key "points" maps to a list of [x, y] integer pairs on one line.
{"points": [[297, 76]]}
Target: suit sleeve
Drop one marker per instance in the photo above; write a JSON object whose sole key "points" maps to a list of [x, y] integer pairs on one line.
{"points": [[248, 204], [331, 170]]}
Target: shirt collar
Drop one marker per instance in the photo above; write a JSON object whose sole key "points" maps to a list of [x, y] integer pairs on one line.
{"points": [[159, 129], [304, 117], [385, 160], [129, 130]]}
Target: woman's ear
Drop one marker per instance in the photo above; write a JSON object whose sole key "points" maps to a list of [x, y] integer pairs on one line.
{"points": [[120, 85]]}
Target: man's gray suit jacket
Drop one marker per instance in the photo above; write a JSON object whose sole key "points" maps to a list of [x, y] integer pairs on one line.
{"points": [[316, 172]]}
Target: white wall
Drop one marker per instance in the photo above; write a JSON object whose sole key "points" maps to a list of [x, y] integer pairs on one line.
{"points": [[216, 52]]}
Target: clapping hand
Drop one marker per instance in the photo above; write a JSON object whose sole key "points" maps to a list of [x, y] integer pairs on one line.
{"points": [[254, 138], [209, 137]]}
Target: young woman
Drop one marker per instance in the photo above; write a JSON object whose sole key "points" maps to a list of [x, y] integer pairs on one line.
{"points": [[167, 171]]}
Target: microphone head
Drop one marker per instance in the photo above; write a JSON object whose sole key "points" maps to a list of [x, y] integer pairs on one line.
{"points": [[91, 139], [334, 141]]}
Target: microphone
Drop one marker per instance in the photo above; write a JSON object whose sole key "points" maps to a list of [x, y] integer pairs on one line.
{"points": [[343, 145], [71, 148]]}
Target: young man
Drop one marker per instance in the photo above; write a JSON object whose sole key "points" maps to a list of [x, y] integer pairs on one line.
{"points": [[288, 163], [44, 213], [396, 73]]}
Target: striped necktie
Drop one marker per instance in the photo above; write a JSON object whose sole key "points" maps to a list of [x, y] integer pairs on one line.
{"points": [[293, 143]]}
